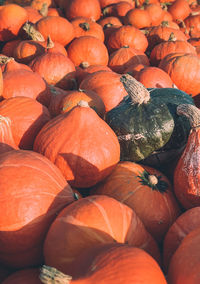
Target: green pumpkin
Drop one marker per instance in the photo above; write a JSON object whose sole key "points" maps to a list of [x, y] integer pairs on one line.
{"points": [[146, 123]]}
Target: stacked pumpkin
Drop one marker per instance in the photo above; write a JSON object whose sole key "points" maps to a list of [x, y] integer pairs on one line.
{"points": [[99, 135]]}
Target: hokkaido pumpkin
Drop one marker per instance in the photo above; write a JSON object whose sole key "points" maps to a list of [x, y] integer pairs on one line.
{"points": [[147, 191], [81, 166], [114, 263], [33, 191], [95, 220]]}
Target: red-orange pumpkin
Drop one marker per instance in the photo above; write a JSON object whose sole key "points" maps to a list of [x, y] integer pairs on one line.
{"points": [[7, 142], [95, 220], [27, 117], [33, 191], [81, 165], [147, 191]]}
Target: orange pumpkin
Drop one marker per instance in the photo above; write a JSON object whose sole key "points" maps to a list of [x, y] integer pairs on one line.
{"points": [[29, 204], [81, 166], [95, 220], [147, 191], [7, 142]]}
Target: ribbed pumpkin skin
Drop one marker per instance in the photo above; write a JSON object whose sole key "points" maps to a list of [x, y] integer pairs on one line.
{"points": [[184, 224], [82, 8], [120, 263], [157, 209], [95, 220], [25, 276], [58, 28], [7, 142], [81, 165], [185, 263], [184, 70], [19, 83], [55, 68], [12, 17], [33, 191], [88, 49], [105, 84], [27, 118], [124, 57], [164, 48]]}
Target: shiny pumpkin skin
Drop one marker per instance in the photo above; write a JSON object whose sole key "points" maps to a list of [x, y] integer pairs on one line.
{"points": [[158, 113], [34, 191], [95, 220]]}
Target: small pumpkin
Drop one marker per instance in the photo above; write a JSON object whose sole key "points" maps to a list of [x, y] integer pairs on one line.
{"points": [[146, 121]]}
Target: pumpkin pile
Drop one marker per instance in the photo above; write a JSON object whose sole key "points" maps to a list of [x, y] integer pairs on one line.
{"points": [[99, 141]]}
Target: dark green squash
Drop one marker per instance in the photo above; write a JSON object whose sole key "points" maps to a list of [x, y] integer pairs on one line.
{"points": [[146, 123]]}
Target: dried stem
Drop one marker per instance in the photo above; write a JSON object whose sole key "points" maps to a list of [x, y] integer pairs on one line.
{"points": [[50, 275], [191, 112]]}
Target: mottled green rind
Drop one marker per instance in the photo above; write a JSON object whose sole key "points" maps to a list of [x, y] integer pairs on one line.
{"points": [[156, 123]]}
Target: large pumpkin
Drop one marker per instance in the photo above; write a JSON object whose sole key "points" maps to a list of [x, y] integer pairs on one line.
{"points": [[110, 262], [147, 191], [33, 191], [146, 122], [88, 223], [86, 153]]}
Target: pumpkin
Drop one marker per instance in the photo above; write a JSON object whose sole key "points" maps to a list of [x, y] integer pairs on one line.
{"points": [[118, 10], [86, 69], [55, 68], [82, 8], [109, 21], [84, 26], [74, 97], [95, 220], [180, 10], [192, 25], [154, 77], [24, 276], [33, 14], [156, 13], [184, 265], [171, 46], [175, 63], [19, 82], [146, 121], [33, 191], [126, 56], [105, 84], [9, 46], [7, 142], [147, 191], [113, 261], [186, 175], [58, 28], [9, 64], [27, 116], [127, 36], [184, 224], [88, 49], [81, 166], [12, 18], [138, 17], [27, 50]]}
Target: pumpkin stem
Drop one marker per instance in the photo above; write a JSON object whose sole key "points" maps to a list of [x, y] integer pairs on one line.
{"points": [[136, 90], [153, 181], [50, 275], [5, 59], [50, 43], [84, 64], [44, 10], [172, 37], [83, 103], [191, 112], [85, 26], [32, 32]]}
